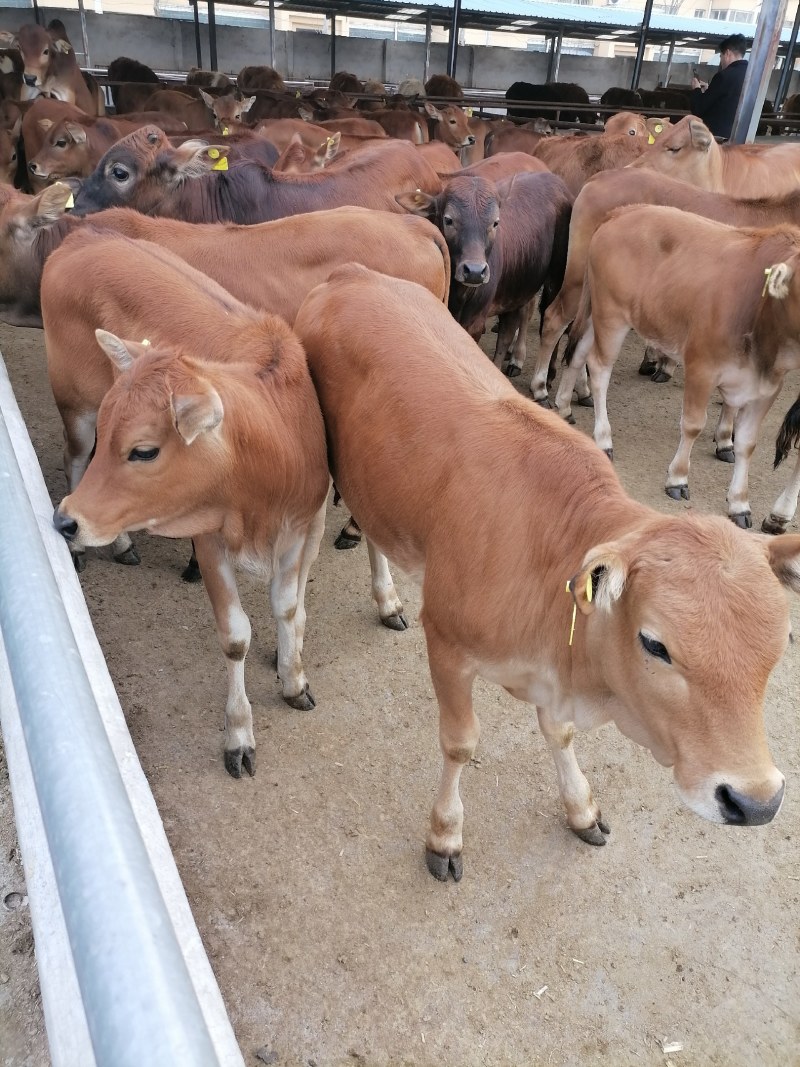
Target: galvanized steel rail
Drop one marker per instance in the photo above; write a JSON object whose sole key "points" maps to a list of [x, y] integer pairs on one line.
{"points": [[140, 1002]]}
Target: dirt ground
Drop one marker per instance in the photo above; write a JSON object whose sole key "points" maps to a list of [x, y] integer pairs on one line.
{"points": [[331, 942]]}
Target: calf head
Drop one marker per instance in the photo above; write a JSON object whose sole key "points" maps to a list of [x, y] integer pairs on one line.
{"points": [[685, 620], [160, 455], [467, 212], [65, 153], [230, 108], [626, 122], [142, 168], [686, 151], [22, 220], [38, 49], [452, 125]]}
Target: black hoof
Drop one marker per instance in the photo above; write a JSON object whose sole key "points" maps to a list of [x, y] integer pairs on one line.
{"points": [[569, 419], [742, 520], [345, 540], [441, 866], [661, 376], [191, 572], [79, 561], [726, 455], [773, 525], [648, 367], [395, 622], [128, 558], [677, 492], [594, 835], [586, 401], [543, 403], [512, 371], [236, 758], [303, 701]]}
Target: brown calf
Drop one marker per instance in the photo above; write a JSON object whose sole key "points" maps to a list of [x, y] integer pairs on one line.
{"points": [[629, 642], [211, 431], [576, 159], [720, 300], [51, 68]]}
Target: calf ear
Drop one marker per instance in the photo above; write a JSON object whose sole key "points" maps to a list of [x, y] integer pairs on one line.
{"points": [[432, 111], [601, 579], [196, 413], [193, 159], [247, 103], [328, 150], [8, 39], [62, 46], [76, 132], [44, 208], [121, 353], [418, 203], [700, 135], [783, 554], [306, 114], [207, 100], [778, 278], [292, 157]]}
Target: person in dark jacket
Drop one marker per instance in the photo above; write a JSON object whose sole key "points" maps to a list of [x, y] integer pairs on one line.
{"points": [[716, 102]]}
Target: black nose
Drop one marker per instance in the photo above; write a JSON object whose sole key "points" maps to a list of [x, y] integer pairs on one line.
{"points": [[475, 273], [66, 526], [32, 167], [741, 810], [470, 139], [30, 79]]}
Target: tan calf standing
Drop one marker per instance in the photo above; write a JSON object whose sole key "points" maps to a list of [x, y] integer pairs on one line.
{"points": [[681, 673], [720, 300], [212, 431]]}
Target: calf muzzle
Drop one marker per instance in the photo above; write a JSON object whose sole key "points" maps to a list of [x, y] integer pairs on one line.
{"points": [[472, 273], [30, 79], [738, 809], [66, 526]]}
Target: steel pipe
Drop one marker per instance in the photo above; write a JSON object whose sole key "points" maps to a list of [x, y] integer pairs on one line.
{"points": [[759, 70]]}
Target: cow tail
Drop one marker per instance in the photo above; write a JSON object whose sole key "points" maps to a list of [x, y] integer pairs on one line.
{"points": [[554, 278], [581, 321], [789, 433]]}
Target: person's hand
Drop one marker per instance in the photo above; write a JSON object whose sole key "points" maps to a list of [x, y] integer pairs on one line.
{"points": [[697, 84]]}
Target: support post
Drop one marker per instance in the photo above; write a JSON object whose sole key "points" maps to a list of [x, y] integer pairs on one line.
{"points": [[670, 54], [36, 13], [86, 59], [212, 34], [426, 71], [759, 69], [197, 44], [333, 43], [554, 61], [272, 33], [637, 66], [452, 46], [788, 63]]}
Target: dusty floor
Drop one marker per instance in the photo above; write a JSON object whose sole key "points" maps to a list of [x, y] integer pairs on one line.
{"points": [[331, 942]]}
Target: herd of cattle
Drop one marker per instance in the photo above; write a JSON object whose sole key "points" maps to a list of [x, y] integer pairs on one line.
{"points": [[245, 291]]}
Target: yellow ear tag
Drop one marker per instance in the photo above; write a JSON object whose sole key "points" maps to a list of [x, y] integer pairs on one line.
{"points": [[468, 112], [651, 139], [298, 94], [658, 127], [589, 589], [574, 614], [767, 273], [145, 343], [329, 142], [213, 153], [225, 131], [221, 164], [70, 202]]}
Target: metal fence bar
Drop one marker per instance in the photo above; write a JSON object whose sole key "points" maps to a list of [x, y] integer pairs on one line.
{"points": [[140, 1004]]}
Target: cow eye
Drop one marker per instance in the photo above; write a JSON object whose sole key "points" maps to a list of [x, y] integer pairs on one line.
{"points": [[654, 648], [119, 173], [448, 220], [452, 122], [13, 156], [46, 52], [142, 455], [61, 142], [495, 224]]}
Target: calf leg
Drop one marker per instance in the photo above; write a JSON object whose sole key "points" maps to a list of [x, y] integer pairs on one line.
{"points": [[233, 631], [390, 607], [723, 435], [748, 422], [601, 357], [349, 535], [518, 350], [458, 737], [696, 394], [287, 597], [555, 322], [583, 815], [571, 372], [785, 506]]}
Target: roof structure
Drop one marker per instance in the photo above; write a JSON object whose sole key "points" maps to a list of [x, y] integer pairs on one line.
{"points": [[578, 21]]}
